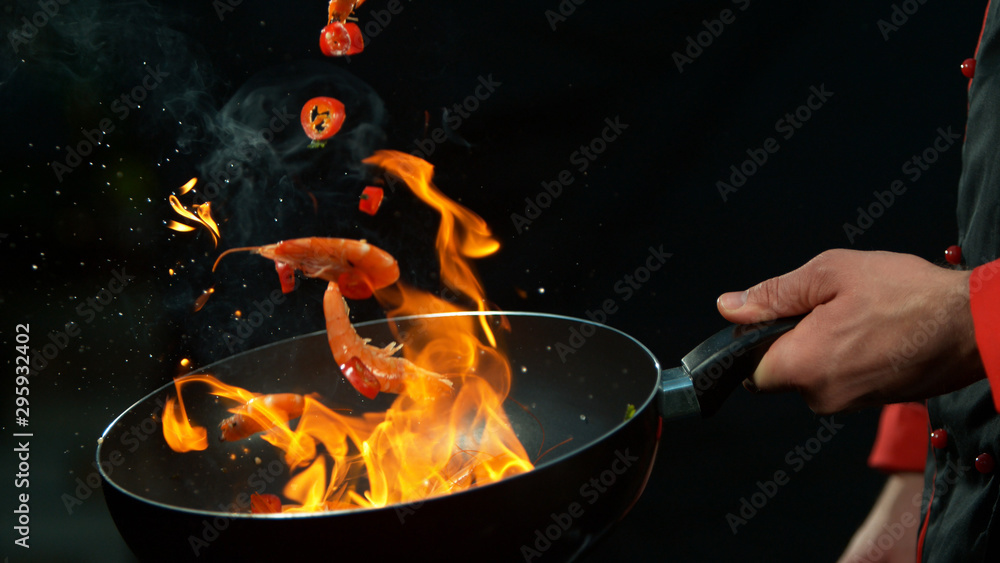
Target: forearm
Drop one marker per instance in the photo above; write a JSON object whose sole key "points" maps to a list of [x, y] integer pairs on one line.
{"points": [[889, 533]]}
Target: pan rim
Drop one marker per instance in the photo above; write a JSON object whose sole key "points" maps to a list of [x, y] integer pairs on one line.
{"points": [[654, 390]]}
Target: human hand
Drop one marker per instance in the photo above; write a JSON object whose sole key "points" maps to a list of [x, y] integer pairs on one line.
{"points": [[881, 328], [889, 534]]}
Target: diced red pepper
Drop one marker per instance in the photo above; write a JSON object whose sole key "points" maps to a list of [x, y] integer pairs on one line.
{"points": [[265, 503], [360, 377], [371, 199], [354, 285], [286, 274]]}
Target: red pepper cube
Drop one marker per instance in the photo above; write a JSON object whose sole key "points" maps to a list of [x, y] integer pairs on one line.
{"points": [[371, 199]]}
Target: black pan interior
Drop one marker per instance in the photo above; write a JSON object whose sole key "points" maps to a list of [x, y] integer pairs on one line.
{"points": [[573, 377]]}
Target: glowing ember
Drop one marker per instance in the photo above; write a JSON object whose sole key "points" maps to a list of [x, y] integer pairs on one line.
{"points": [[203, 298], [434, 439]]}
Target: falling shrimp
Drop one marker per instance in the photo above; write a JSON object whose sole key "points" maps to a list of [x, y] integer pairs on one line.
{"points": [[390, 372], [260, 413], [355, 269], [339, 10]]}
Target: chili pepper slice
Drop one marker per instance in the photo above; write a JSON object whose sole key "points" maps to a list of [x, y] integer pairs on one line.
{"points": [[286, 274], [354, 285], [360, 377], [371, 199], [321, 118]]}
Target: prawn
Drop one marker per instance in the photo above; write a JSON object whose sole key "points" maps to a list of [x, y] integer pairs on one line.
{"points": [[339, 10], [356, 268], [248, 417], [390, 372]]}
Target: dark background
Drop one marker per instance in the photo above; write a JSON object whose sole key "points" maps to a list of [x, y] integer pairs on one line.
{"points": [[62, 241]]}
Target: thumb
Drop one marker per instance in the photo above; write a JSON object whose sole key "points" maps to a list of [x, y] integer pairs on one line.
{"points": [[794, 293]]}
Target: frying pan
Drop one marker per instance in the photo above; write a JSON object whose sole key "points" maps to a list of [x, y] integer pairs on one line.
{"points": [[575, 376]]}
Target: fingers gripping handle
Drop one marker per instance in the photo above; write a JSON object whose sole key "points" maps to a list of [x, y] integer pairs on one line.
{"points": [[720, 364]]}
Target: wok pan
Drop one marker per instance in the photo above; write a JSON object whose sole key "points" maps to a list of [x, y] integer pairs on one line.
{"points": [[575, 376]]}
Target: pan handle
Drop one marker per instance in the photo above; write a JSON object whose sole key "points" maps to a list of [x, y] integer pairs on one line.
{"points": [[710, 372]]}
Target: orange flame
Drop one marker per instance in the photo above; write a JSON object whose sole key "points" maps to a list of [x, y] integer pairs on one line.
{"points": [[424, 445], [179, 227], [462, 233], [177, 430], [202, 214], [188, 186]]}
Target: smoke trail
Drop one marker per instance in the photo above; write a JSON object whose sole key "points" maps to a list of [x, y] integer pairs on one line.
{"points": [[81, 63], [82, 54], [258, 165]]}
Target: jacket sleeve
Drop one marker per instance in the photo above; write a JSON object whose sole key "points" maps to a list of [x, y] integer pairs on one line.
{"points": [[901, 440], [984, 300]]}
